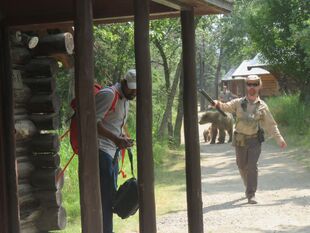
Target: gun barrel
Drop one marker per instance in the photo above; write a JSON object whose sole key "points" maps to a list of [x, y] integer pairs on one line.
{"points": [[205, 94]]}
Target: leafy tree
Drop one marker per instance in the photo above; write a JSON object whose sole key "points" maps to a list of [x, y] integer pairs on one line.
{"points": [[165, 37], [114, 51], [281, 31]]}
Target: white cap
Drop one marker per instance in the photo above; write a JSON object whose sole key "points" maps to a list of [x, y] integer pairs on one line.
{"points": [[130, 77]]}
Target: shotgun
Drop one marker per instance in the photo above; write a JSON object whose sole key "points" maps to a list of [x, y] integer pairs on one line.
{"points": [[205, 94]]}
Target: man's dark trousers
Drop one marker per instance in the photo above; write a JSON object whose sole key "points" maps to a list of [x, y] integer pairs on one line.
{"points": [[247, 157], [108, 185]]}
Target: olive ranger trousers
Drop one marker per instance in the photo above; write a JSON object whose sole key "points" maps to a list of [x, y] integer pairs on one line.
{"points": [[247, 159]]}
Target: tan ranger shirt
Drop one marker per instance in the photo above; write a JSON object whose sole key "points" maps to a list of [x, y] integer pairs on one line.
{"points": [[257, 113]]}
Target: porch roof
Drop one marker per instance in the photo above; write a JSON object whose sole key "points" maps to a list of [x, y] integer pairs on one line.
{"points": [[56, 12]]}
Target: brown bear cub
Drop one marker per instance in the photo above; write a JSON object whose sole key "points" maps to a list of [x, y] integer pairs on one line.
{"points": [[207, 134], [220, 123]]}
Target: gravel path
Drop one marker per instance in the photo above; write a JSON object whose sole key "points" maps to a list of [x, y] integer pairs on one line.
{"points": [[283, 195]]}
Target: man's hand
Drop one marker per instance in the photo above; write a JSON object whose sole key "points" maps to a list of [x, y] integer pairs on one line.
{"points": [[282, 144], [123, 142], [216, 103]]}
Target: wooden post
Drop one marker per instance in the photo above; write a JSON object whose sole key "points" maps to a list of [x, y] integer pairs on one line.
{"points": [[8, 183], [193, 170], [144, 118], [4, 210], [90, 200]]}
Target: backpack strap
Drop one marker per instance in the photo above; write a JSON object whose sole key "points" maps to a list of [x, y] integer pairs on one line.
{"points": [[114, 101], [121, 171]]}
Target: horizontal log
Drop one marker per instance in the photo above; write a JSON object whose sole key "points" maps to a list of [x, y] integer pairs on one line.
{"points": [[46, 121], [45, 178], [22, 95], [55, 44], [24, 167], [20, 105], [20, 55], [41, 84], [29, 227], [25, 189], [20, 111], [19, 38], [49, 199], [25, 129], [42, 67], [21, 117], [16, 38], [17, 79], [22, 148], [52, 219], [29, 208], [45, 143], [44, 104], [46, 160]]}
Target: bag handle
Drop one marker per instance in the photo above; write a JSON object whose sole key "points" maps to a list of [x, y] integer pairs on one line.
{"points": [[131, 161]]}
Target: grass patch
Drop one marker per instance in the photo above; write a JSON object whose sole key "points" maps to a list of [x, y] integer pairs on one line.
{"points": [[170, 181], [170, 186], [293, 119]]}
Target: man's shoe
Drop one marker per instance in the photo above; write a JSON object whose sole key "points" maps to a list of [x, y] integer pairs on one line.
{"points": [[251, 200]]}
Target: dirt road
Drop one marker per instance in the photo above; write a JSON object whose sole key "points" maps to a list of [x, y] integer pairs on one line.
{"points": [[283, 195]]}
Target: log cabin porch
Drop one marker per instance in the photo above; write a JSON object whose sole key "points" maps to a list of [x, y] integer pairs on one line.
{"points": [[34, 15]]}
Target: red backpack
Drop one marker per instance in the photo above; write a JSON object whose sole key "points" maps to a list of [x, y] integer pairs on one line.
{"points": [[73, 130], [73, 124]]}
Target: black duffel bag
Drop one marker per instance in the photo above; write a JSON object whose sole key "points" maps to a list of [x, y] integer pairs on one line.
{"points": [[126, 199]]}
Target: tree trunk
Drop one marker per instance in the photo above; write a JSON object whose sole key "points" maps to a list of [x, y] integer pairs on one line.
{"points": [[165, 63], [218, 73], [169, 103], [180, 114], [202, 81]]}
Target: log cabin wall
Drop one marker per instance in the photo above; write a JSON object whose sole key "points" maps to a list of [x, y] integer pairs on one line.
{"points": [[36, 109], [270, 86]]}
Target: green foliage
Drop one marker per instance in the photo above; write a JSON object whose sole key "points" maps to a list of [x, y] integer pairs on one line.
{"points": [[71, 195], [237, 44], [293, 115], [64, 88], [280, 30], [114, 51]]}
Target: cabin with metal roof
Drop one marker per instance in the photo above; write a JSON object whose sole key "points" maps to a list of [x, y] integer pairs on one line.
{"points": [[26, 116], [234, 78]]}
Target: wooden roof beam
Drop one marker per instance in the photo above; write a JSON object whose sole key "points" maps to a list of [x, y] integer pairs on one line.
{"points": [[174, 4], [225, 5]]}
